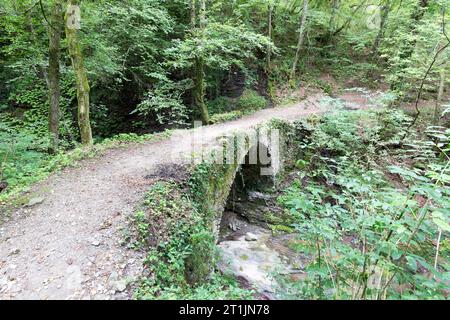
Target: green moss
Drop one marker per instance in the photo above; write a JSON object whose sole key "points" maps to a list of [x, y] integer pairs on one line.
{"points": [[224, 117], [282, 228], [244, 257]]}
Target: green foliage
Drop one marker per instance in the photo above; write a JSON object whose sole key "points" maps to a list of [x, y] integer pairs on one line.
{"points": [[367, 239], [22, 153], [228, 116], [221, 45], [251, 100], [225, 109], [406, 66], [165, 104], [139, 55], [220, 105], [179, 247]]}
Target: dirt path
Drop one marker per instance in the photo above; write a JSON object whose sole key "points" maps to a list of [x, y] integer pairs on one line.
{"points": [[69, 246]]}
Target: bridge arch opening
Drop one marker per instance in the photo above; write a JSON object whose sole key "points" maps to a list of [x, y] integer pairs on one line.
{"points": [[252, 181]]}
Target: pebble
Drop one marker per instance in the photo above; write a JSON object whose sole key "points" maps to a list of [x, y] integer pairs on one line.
{"points": [[251, 237], [120, 286], [14, 251], [35, 201], [113, 276], [95, 243]]}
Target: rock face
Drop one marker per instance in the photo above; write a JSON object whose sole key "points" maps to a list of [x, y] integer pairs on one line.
{"points": [[259, 208]]}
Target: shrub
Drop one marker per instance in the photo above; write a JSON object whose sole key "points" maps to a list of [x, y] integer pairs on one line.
{"points": [[220, 105], [224, 117], [251, 100], [367, 237]]}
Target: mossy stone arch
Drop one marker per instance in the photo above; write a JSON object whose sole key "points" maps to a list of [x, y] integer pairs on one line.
{"points": [[211, 180]]}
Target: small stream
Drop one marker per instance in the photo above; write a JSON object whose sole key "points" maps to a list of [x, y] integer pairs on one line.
{"points": [[250, 251], [256, 256]]}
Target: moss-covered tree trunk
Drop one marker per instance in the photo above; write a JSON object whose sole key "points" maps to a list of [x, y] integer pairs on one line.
{"points": [[82, 82], [301, 37], [383, 23], [199, 64], [54, 55], [269, 49], [335, 5], [193, 14], [410, 45]]}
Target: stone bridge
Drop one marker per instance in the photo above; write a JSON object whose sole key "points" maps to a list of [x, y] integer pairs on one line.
{"points": [[240, 163], [251, 159]]}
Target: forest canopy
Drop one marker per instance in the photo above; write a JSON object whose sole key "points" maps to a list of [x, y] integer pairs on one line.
{"points": [[142, 58]]}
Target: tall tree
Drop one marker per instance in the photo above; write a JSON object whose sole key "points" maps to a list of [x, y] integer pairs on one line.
{"points": [[301, 37], [385, 10], [269, 50], [82, 82], [334, 11], [199, 65], [54, 31], [409, 45], [350, 18]]}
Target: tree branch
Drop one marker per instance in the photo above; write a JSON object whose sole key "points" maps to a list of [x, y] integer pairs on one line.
{"points": [[346, 23]]}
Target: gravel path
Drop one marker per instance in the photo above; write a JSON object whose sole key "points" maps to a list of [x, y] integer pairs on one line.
{"points": [[69, 245]]}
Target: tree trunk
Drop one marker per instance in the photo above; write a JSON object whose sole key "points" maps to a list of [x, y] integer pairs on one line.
{"points": [[438, 109], [301, 37], [349, 20], [83, 88], [193, 14], [269, 52], [409, 46], [199, 66], [334, 10], [384, 16], [53, 69]]}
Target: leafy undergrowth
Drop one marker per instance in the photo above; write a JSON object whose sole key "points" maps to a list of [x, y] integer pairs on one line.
{"points": [[25, 157], [370, 211], [177, 240], [226, 109]]}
